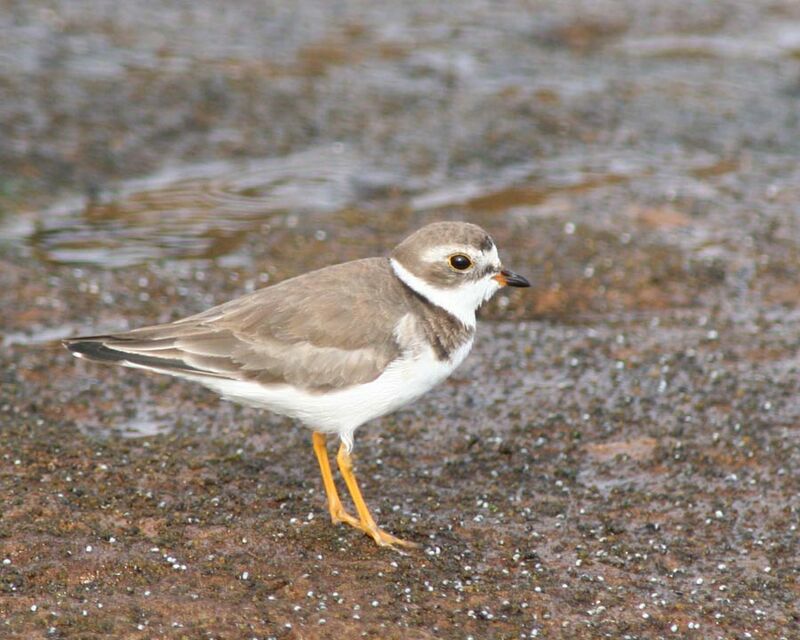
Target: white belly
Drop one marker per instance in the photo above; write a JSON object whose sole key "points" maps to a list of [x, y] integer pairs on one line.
{"points": [[343, 410]]}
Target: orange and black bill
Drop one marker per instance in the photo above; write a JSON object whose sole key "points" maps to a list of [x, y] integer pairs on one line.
{"points": [[510, 279]]}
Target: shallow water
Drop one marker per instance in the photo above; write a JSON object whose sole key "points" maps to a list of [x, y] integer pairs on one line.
{"points": [[173, 133], [188, 212]]}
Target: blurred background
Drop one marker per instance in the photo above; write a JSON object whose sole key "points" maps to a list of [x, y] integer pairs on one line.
{"points": [[624, 439], [661, 136]]}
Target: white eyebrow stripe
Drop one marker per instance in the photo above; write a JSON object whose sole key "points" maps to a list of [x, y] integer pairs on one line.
{"points": [[493, 258], [441, 251]]}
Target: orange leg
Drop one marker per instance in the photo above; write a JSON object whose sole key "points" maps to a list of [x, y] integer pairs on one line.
{"points": [[367, 522], [338, 514]]}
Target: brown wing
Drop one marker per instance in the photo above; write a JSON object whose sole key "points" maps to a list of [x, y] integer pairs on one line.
{"points": [[322, 330]]}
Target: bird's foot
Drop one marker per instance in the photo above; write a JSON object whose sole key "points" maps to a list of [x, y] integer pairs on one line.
{"points": [[339, 515], [381, 537], [384, 539]]}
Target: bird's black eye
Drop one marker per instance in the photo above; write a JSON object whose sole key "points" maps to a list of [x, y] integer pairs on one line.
{"points": [[460, 261]]}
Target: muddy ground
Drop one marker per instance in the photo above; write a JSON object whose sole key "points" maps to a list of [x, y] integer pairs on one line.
{"points": [[619, 455]]}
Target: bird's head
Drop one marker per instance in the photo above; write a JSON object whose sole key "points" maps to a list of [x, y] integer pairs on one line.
{"points": [[454, 265]]}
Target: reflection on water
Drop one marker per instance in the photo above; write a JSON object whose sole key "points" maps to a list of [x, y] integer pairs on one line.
{"points": [[485, 111], [143, 427], [772, 42], [205, 211], [200, 211], [146, 422], [36, 335]]}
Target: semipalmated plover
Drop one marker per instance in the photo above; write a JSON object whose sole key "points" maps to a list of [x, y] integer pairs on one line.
{"points": [[333, 348]]}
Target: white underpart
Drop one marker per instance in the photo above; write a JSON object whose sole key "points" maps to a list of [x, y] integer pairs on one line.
{"points": [[462, 301], [342, 411]]}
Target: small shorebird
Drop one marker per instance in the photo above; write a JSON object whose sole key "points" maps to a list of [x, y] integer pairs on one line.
{"points": [[333, 348]]}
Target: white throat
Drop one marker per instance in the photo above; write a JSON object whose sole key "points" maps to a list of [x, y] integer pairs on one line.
{"points": [[461, 302]]}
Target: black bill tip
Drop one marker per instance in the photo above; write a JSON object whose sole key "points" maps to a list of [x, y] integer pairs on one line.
{"points": [[511, 279]]}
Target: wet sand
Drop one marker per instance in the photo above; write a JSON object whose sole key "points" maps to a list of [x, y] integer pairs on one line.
{"points": [[617, 457]]}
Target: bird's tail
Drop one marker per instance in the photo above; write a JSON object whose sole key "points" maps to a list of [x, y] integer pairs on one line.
{"points": [[130, 350]]}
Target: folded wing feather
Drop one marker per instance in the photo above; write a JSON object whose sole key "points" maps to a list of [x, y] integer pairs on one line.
{"points": [[273, 336]]}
